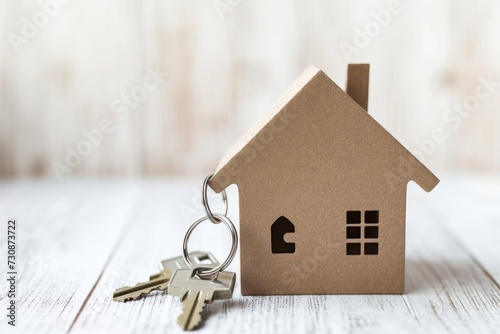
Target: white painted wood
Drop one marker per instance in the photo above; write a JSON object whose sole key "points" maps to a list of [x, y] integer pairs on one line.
{"points": [[224, 74], [470, 209], [110, 233], [157, 235], [66, 235]]}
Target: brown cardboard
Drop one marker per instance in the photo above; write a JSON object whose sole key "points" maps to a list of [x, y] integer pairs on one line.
{"points": [[358, 80], [316, 155]]}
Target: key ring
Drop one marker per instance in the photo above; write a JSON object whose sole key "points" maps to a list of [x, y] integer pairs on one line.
{"points": [[204, 199], [234, 237]]}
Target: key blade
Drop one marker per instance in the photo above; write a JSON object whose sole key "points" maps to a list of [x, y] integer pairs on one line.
{"points": [[159, 282], [196, 292], [190, 318]]}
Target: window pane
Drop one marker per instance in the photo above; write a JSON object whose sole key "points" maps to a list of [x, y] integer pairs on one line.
{"points": [[354, 249], [353, 217], [371, 232], [353, 232], [371, 248], [371, 217]]}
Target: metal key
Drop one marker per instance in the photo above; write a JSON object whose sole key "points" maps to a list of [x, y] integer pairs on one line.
{"points": [[157, 281], [198, 258], [160, 281], [195, 293]]}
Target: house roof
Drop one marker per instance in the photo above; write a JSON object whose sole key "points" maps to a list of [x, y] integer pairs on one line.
{"points": [[251, 132], [232, 163]]}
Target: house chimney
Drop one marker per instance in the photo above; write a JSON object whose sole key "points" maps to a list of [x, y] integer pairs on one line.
{"points": [[358, 79]]}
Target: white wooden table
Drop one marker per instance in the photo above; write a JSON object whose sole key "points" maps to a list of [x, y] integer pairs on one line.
{"points": [[79, 240]]}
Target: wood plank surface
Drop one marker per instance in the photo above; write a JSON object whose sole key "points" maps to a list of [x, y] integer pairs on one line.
{"points": [[471, 210], [81, 240], [66, 234], [224, 71]]}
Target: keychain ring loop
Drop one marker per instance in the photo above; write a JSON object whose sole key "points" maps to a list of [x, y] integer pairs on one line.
{"points": [[234, 246], [204, 200]]}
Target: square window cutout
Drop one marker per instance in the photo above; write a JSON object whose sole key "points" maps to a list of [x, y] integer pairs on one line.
{"points": [[371, 248], [353, 232], [353, 249], [371, 232], [371, 217], [353, 217]]}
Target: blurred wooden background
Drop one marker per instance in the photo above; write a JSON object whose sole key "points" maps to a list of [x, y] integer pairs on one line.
{"points": [[227, 62]]}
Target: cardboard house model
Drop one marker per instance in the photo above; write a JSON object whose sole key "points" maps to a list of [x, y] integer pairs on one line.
{"points": [[322, 188]]}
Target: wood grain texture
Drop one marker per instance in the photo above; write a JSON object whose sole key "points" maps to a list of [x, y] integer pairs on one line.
{"points": [[66, 235], [225, 73], [470, 210], [81, 240]]}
